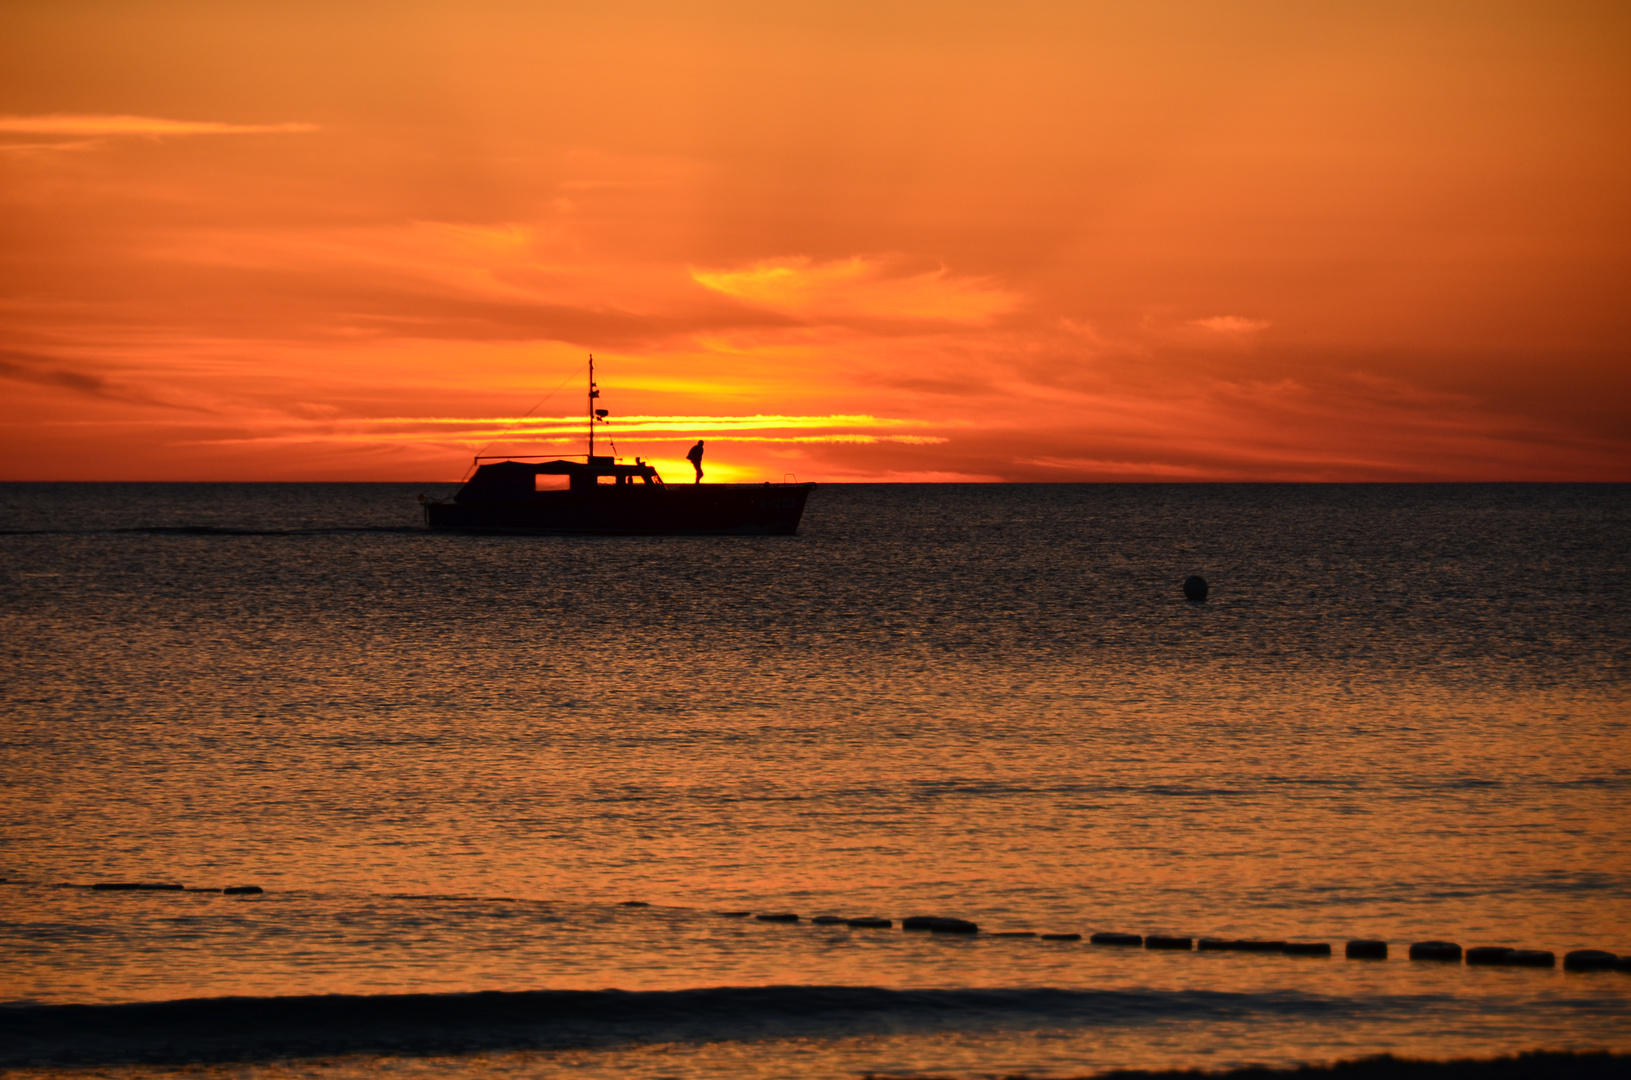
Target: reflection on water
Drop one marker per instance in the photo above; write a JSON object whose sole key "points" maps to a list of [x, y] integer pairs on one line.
{"points": [[1401, 714]]}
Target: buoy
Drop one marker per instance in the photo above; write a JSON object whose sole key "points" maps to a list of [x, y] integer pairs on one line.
{"points": [[954, 926], [1208, 944], [1306, 948], [1195, 588], [1259, 946], [1367, 949], [634, 903], [1157, 942], [134, 886], [938, 924], [1107, 938], [1588, 960], [243, 890], [870, 924], [1436, 950], [1500, 954], [783, 917], [1623, 964], [828, 920], [1061, 937], [1488, 954]]}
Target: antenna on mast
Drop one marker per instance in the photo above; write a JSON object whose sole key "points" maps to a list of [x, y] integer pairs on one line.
{"points": [[595, 415]]}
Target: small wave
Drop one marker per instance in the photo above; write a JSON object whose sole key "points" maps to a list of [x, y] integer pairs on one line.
{"points": [[252, 1029]]}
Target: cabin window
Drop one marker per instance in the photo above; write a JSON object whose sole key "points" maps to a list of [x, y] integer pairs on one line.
{"points": [[551, 482], [605, 479]]}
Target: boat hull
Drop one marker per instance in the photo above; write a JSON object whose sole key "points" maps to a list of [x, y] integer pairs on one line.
{"points": [[632, 510]]}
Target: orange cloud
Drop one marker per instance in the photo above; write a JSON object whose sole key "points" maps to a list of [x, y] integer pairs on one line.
{"points": [[1259, 242], [76, 124], [860, 287], [1231, 324]]}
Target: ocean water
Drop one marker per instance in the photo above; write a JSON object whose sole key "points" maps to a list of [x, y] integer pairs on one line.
{"points": [[499, 790]]}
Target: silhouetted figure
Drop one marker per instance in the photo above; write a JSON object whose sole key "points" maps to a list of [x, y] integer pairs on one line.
{"points": [[695, 458]]}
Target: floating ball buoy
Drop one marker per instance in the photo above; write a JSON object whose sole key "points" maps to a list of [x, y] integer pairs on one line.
{"points": [[1157, 942], [243, 890], [1436, 950], [1061, 937], [1588, 960], [1367, 949], [828, 920], [783, 917], [869, 924], [1306, 948], [1195, 588], [634, 903], [1106, 938]]}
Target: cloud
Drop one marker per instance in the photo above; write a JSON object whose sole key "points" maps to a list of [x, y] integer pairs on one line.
{"points": [[859, 287], [856, 428], [1112, 468], [43, 371], [1231, 324], [88, 124], [434, 280]]}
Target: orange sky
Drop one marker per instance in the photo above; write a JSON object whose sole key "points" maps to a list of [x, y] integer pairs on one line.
{"points": [[1021, 241]]}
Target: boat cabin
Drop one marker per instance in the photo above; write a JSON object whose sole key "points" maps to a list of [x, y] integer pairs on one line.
{"points": [[510, 481]]}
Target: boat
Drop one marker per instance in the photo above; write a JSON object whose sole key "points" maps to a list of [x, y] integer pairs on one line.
{"points": [[601, 495]]}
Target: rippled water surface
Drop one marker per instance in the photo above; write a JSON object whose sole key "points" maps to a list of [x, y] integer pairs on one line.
{"points": [[450, 761]]}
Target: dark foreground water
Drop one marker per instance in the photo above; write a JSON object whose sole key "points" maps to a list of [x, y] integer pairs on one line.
{"points": [[451, 761]]}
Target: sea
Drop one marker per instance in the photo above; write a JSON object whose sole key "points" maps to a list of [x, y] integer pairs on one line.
{"points": [[516, 805]]}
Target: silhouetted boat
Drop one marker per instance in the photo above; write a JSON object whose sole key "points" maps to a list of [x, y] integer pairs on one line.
{"points": [[598, 495]]}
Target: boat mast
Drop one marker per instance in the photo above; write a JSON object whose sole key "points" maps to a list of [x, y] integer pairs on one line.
{"points": [[593, 393]]}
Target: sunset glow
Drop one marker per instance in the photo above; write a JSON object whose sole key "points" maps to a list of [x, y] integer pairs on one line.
{"points": [[1037, 241]]}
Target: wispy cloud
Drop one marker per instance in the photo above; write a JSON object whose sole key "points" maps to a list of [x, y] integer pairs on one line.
{"points": [[46, 371], [851, 429], [1230, 324], [92, 124], [860, 287], [661, 423]]}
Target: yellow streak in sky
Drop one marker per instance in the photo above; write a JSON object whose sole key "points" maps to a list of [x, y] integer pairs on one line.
{"points": [[80, 124], [489, 437], [651, 423]]}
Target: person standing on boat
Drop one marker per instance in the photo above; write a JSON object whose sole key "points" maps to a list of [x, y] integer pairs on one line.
{"points": [[695, 458]]}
